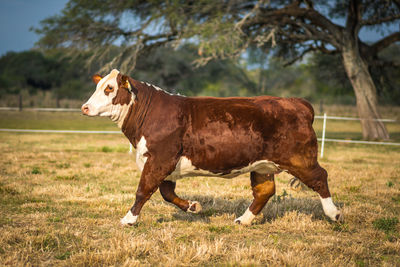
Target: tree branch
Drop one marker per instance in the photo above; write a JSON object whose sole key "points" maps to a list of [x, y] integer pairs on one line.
{"points": [[385, 42], [374, 21], [293, 60], [324, 50], [292, 12], [353, 18]]}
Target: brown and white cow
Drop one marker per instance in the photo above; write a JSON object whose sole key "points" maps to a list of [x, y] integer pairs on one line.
{"points": [[177, 137]]}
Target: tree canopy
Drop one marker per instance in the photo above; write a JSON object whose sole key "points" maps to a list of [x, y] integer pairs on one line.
{"points": [[219, 28]]}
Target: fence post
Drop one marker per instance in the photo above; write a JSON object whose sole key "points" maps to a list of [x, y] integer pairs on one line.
{"points": [[323, 136]]}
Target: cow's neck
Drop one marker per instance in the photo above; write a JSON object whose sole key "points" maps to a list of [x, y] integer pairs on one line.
{"points": [[121, 112], [136, 115]]}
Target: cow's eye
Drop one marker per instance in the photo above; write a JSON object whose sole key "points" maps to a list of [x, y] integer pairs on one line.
{"points": [[109, 89]]}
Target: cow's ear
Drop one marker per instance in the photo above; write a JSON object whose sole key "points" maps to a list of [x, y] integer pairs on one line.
{"points": [[124, 82], [96, 78]]}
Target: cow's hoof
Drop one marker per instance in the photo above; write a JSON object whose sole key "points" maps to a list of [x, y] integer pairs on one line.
{"points": [[194, 207], [242, 222], [238, 221], [246, 218], [339, 217], [129, 219]]}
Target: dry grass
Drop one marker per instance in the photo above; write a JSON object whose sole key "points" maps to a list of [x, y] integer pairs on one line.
{"points": [[62, 197]]}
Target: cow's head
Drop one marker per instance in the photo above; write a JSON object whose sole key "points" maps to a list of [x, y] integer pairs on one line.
{"points": [[112, 97]]}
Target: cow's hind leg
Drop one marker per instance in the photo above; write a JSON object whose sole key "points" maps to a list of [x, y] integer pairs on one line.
{"points": [[167, 190], [317, 179], [263, 186]]}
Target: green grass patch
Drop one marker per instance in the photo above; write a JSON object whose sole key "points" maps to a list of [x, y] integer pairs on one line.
{"points": [[63, 256], [87, 165], [106, 149], [396, 199], [340, 227], [63, 165], [54, 121], [388, 225], [209, 212], [354, 189], [7, 190], [74, 177], [36, 170], [220, 229]]}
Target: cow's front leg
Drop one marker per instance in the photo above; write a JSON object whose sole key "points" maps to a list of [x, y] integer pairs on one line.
{"points": [[150, 180], [167, 190], [263, 186]]}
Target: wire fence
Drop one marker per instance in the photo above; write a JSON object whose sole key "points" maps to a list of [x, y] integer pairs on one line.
{"points": [[351, 118], [41, 109], [323, 139]]}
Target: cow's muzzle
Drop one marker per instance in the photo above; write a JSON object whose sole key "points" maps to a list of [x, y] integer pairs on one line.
{"points": [[85, 109]]}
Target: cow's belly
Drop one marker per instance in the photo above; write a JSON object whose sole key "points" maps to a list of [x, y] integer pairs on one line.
{"points": [[185, 168]]}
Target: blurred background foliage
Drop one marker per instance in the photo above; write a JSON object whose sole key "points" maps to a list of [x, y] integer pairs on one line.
{"points": [[317, 77]]}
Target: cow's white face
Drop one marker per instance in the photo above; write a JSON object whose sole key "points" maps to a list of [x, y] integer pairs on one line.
{"points": [[107, 101], [100, 103]]}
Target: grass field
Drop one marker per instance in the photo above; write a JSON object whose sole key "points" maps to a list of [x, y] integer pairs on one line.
{"points": [[62, 196]]}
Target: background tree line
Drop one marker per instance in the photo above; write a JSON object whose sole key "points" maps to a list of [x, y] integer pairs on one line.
{"points": [[318, 77]]}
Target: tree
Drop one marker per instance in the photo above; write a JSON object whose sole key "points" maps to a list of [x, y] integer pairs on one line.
{"points": [[331, 80], [26, 70], [224, 28], [172, 70], [388, 78], [35, 71], [330, 76]]}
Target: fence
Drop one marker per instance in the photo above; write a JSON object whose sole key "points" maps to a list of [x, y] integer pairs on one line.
{"points": [[41, 109], [65, 131], [323, 139]]}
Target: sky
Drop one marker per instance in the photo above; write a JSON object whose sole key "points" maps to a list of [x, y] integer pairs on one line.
{"points": [[18, 16]]}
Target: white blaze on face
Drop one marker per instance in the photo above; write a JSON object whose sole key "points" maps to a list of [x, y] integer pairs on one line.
{"points": [[100, 103]]}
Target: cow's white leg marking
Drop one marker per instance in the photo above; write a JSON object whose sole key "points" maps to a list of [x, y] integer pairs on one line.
{"points": [[129, 219], [194, 207], [331, 210], [141, 149], [246, 218]]}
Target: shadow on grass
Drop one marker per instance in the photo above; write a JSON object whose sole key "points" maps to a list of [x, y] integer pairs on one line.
{"points": [[215, 206]]}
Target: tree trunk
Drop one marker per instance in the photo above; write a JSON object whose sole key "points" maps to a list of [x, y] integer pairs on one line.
{"points": [[366, 96]]}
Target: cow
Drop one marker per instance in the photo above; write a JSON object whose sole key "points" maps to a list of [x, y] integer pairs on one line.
{"points": [[177, 137]]}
